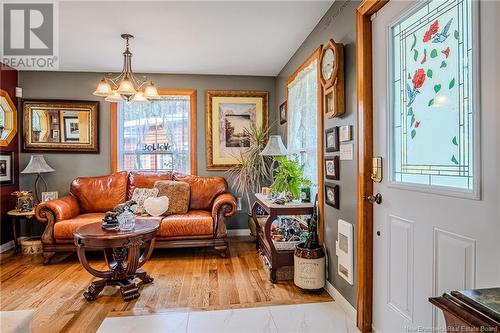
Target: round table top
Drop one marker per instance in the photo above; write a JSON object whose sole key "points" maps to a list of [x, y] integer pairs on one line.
{"points": [[94, 230], [14, 212]]}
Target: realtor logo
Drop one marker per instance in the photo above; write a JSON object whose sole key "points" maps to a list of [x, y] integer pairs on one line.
{"points": [[29, 35]]}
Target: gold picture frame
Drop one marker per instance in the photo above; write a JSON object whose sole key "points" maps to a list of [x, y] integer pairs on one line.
{"points": [[61, 126], [8, 123], [228, 113]]}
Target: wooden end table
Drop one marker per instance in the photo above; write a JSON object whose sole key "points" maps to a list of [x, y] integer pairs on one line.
{"points": [[265, 245], [124, 251], [15, 216]]}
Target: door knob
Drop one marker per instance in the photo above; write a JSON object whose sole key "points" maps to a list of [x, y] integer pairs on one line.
{"points": [[377, 198]]}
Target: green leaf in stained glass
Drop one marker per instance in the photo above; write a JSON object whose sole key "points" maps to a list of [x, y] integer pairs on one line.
{"points": [[443, 64], [431, 102], [434, 53], [412, 120], [429, 73], [415, 55], [414, 42], [437, 87], [454, 141], [410, 111], [452, 83], [454, 159], [413, 133], [456, 34]]}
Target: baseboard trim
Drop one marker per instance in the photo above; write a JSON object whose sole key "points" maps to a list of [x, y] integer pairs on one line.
{"points": [[238, 232], [337, 296], [6, 246]]}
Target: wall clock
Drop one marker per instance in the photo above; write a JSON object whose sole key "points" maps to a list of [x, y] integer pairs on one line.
{"points": [[332, 78]]}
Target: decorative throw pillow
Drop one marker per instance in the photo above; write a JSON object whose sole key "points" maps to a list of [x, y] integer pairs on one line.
{"points": [[178, 194], [140, 195], [156, 206]]}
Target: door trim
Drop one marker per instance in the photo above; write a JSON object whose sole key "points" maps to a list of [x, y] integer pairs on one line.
{"points": [[365, 152]]}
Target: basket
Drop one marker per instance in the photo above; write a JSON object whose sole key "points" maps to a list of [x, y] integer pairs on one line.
{"points": [[31, 245], [282, 274], [285, 246]]}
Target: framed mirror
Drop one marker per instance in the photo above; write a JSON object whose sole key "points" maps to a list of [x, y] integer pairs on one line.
{"points": [[63, 126], [8, 119]]}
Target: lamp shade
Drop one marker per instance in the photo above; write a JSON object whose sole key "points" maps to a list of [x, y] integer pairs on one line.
{"points": [[103, 89], [151, 92], [114, 97], [126, 88], [37, 164], [274, 147]]}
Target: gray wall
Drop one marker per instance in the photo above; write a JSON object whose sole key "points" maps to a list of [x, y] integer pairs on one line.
{"points": [[79, 86], [338, 23]]}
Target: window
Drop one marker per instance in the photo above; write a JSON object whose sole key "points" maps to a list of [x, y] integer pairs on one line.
{"points": [[157, 136], [432, 101], [302, 138]]}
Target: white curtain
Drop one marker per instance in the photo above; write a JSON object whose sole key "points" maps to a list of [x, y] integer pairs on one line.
{"points": [[302, 122]]}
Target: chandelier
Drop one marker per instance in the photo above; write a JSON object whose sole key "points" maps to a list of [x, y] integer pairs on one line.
{"points": [[125, 86]]}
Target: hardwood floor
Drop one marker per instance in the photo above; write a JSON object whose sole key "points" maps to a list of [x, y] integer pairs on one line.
{"points": [[184, 278]]}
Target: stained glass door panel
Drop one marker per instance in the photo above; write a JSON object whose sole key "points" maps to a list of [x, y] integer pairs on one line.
{"points": [[432, 135]]}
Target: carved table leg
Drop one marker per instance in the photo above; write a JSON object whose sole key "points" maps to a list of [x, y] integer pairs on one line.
{"points": [[129, 289], [145, 278], [94, 289]]}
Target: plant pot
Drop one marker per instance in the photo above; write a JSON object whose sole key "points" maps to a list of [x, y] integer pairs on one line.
{"points": [[309, 271]]}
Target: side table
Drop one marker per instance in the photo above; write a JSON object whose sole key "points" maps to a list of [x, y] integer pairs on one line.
{"points": [[124, 251], [15, 216], [275, 258]]}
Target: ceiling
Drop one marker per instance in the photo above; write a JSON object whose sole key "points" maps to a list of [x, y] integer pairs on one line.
{"points": [[202, 37]]}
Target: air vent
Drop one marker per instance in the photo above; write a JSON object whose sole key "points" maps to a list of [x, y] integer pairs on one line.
{"points": [[344, 250]]}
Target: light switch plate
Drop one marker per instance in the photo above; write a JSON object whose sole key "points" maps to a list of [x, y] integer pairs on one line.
{"points": [[19, 92], [239, 203]]}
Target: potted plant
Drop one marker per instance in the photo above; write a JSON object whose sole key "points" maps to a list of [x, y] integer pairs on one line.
{"points": [[289, 178], [252, 169]]}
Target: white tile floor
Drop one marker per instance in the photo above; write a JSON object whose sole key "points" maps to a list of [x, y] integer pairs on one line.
{"points": [[316, 317]]}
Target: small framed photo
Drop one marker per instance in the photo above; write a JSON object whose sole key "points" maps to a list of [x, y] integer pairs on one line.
{"points": [[283, 113], [47, 196], [71, 129], [332, 168], [345, 133], [332, 195], [55, 134], [6, 168], [332, 139]]}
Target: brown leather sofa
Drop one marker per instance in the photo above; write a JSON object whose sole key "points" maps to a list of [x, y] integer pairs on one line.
{"points": [[90, 197]]}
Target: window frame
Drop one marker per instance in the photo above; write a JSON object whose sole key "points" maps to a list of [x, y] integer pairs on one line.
{"points": [[191, 93], [475, 193]]}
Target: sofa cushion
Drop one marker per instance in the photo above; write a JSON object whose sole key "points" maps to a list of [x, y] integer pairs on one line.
{"points": [[100, 194], [203, 189], [64, 229], [178, 194], [193, 223], [145, 180], [140, 195]]}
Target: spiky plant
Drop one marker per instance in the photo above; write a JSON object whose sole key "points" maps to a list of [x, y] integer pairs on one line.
{"points": [[252, 169]]}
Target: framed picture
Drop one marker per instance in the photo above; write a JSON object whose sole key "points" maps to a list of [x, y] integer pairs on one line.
{"points": [[332, 139], [229, 115], [6, 168], [71, 129], [8, 119], [332, 168], [46, 196], [61, 126], [332, 195], [283, 113]]}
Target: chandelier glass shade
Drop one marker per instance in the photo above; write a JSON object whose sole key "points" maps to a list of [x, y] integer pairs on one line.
{"points": [[126, 86]]}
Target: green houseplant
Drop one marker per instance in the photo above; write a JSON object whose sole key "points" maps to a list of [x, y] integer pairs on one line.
{"points": [[252, 169], [289, 177]]}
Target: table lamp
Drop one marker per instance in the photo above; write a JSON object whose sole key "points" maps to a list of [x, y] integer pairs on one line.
{"points": [[38, 165], [274, 148]]}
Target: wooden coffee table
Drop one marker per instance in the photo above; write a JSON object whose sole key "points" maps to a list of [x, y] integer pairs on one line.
{"points": [[125, 252]]}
